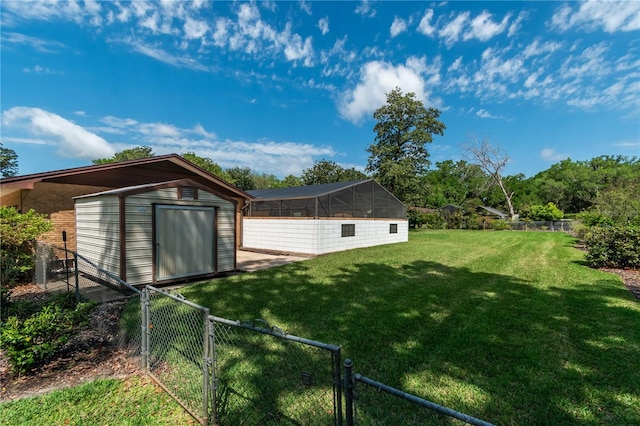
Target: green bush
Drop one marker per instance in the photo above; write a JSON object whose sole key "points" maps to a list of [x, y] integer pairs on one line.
{"points": [[500, 225], [539, 212], [617, 247], [30, 340], [19, 231]]}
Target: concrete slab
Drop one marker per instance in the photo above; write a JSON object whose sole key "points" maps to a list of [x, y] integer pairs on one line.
{"points": [[254, 260]]}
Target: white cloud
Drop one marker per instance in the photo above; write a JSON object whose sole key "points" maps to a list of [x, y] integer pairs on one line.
{"points": [[41, 45], [424, 27], [305, 7], [365, 9], [536, 48], [378, 78], [162, 55], [323, 24], [515, 25], [452, 30], [483, 113], [398, 26], [194, 29], [456, 65], [551, 156], [72, 140], [593, 14], [483, 28], [38, 70]]}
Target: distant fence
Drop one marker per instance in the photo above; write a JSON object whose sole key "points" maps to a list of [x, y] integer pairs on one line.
{"points": [[553, 226]]}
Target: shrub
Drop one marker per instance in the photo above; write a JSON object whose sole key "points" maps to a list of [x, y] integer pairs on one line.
{"points": [[30, 340], [500, 225], [19, 232], [617, 247], [547, 213]]}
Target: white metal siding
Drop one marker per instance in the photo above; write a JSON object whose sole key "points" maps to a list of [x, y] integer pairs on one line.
{"points": [[318, 236], [98, 230]]}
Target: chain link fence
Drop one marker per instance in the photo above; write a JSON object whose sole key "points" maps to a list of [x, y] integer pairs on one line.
{"points": [[369, 402], [267, 377], [551, 226]]}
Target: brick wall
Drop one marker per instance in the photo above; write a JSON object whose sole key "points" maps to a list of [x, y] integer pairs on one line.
{"points": [[56, 201], [49, 198], [62, 221]]}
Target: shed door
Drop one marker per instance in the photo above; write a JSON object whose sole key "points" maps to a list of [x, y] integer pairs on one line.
{"points": [[184, 241]]}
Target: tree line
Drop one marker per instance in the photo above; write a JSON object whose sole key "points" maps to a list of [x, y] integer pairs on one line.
{"points": [[605, 186]]}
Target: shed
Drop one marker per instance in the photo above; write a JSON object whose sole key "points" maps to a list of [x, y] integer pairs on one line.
{"points": [[158, 233], [324, 218]]}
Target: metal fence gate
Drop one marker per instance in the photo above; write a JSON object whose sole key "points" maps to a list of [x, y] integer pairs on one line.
{"points": [[230, 372], [267, 377]]}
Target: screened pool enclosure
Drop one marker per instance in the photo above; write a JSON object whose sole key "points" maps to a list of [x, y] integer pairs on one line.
{"points": [[355, 199]]}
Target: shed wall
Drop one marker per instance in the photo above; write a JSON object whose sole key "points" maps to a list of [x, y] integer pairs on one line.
{"points": [[98, 227], [319, 236]]}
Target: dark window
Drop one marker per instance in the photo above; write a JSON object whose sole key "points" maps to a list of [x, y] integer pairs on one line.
{"points": [[393, 228], [349, 230]]}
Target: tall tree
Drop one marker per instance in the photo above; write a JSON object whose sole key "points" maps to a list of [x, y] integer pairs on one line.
{"points": [[455, 183], [242, 178], [127, 154], [492, 160], [398, 157], [8, 162], [325, 171], [207, 164]]}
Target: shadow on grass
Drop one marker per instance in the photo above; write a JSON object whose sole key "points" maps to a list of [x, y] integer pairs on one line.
{"points": [[490, 345]]}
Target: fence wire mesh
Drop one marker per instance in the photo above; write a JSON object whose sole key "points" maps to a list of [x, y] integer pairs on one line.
{"points": [[267, 378], [176, 349]]}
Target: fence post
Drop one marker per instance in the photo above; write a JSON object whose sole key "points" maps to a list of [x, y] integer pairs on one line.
{"points": [[76, 275], [212, 372], [337, 379], [348, 390], [206, 364], [144, 329]]}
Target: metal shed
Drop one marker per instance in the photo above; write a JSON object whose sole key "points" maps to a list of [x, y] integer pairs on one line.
{"points": [[325, 218], [158, 233]]}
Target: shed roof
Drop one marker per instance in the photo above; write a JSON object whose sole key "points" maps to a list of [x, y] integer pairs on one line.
{"points": [[127, 173], [141, 189], [303, 191]]}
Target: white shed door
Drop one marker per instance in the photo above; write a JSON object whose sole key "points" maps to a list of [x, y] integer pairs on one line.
{"points": [[184, 241]]}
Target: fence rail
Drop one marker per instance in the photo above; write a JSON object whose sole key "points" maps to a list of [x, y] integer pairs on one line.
{"points": [[230, 372]]}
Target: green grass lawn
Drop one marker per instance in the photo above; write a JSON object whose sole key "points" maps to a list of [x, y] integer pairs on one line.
{"points": [[134, 401], [510, 327]]}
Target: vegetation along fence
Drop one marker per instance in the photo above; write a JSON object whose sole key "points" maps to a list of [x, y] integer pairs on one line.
{"points": [[247, 372]]}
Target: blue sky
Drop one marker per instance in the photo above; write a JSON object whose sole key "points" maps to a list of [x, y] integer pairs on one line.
{"points": [[277, 85]]}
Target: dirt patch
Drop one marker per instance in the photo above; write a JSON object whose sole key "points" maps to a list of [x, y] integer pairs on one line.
{"points": [[630, 277], [91, 354]]}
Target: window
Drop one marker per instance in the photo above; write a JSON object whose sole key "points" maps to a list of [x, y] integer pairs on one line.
{"points": [[349, 230], [393, 228]]}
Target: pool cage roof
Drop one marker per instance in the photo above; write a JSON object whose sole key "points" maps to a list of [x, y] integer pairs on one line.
{"points": [[356, 199]]}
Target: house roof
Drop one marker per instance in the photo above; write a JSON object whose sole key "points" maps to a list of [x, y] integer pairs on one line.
{"points": [[303, 191], [122, 174], [494, 211]]}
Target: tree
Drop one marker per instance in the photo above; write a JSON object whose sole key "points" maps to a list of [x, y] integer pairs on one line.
{"points": [[242, 178], [492, 161], [325, 171], [8, 162], [398, 157], [291, 180], [266, 181], [207, 164], [17, 252], [126, 155], [454, 183]]}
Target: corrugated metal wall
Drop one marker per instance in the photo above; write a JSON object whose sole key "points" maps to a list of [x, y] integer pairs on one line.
{"points": [[98, 231], [97, 221]]}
